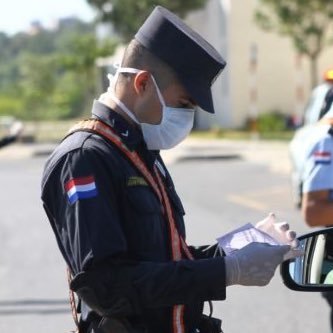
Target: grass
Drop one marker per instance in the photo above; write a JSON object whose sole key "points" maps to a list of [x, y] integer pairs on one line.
{"points": [[46, 131], [54, 131], [242, 135]]}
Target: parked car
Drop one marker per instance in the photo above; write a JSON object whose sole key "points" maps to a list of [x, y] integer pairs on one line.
{"points": [[10, 130], [6, 122]]}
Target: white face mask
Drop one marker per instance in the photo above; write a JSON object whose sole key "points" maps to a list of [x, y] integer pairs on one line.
{"points": [[174, 127]]}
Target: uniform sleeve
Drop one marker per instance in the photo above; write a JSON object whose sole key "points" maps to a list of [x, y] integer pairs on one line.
{"points": [[318, 170], [81, 197], [128, 288], [206, 251]]}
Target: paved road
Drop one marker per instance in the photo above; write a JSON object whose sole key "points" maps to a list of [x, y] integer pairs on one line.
{"points": [[222, 194], [223, 185], [33, 295]]}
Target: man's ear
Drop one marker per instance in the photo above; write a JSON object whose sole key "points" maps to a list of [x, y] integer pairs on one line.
{"points": [[140, 82]]}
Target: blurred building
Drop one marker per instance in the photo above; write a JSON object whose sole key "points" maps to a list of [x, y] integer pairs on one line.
{"points": [[34, 28], [263, 74]]}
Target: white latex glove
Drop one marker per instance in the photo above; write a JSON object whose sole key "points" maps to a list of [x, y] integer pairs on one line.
{"points": [[278, 230], [254, 264]]}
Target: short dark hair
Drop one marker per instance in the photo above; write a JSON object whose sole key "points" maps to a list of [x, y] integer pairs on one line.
{"points": [[137, 56]]}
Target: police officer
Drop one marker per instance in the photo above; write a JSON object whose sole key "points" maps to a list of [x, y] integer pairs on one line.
{"points": [[317, 201], [112, 204], [317, 178]]}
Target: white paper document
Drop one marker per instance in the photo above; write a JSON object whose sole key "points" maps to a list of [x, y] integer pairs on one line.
{"points": [[247, 234]]}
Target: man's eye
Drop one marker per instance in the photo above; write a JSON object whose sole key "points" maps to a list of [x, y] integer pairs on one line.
{"points": [[185, 105]]}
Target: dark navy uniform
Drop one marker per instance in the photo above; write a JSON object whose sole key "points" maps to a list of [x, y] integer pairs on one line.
{"points": [[109, 222]]}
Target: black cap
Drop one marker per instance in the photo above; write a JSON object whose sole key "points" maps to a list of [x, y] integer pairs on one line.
{"points": [[196, 62]]}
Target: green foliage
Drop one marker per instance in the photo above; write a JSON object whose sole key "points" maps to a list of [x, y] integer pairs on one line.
{"points": [[271, 122], [52, 74], [78, 55], [79, 52], [10, 106], [127, 15], [67, 99], [308, 23], [37, 83]]}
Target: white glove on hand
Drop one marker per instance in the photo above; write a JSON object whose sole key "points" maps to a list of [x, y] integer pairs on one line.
{"points": [[254, 264], [278, 230]]}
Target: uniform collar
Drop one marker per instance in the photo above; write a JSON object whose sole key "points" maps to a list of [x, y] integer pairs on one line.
{"points": [[130, 135]]}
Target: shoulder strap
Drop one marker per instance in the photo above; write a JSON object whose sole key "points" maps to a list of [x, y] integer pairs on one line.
{"points": [[177, 243], [98, 127]]}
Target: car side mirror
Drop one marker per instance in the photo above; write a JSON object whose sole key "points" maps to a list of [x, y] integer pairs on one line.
{"points": [[314, 270]]}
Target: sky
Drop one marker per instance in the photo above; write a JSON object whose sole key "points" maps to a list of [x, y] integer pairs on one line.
{"points": [[16, 15]]}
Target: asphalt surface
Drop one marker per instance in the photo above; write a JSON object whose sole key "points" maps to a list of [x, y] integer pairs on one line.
{"points": [[273, 153]]}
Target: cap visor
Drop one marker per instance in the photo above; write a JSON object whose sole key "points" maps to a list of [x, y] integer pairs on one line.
{"points": [[200, 93]]}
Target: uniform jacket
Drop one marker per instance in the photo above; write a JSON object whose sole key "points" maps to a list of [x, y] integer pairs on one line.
{"points": [[318, 166], [110, 225]]}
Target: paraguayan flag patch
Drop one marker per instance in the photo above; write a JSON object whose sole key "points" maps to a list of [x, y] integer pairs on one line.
{"points": [[80, 188], [322, 157]]}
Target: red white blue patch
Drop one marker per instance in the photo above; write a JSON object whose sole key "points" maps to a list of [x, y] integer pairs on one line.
{"points": [[81, 188], [322, 157]]}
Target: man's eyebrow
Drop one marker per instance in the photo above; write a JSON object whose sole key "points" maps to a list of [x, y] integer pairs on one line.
{"points": [[192, 101], [189, 99]]}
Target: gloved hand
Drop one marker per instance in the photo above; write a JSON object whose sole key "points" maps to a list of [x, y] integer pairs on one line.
{"points": [[278, 230], [254, 264]]}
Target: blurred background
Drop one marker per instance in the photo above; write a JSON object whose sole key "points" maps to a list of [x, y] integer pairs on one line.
{"points": [[235, 167], [54, 57]]}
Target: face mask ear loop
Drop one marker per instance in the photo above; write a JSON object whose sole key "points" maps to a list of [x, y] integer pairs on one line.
{"points": [[125, 109], [111, 89], [128, 70], [158, 92]]}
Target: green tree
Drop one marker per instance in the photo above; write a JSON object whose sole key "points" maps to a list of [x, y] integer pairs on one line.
{"points": [[78, 54], [126, 16], [51, 74], [307, 22], [36, 85]]}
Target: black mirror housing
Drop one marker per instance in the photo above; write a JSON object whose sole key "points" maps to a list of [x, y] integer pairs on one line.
{"points": [[314, 270]]}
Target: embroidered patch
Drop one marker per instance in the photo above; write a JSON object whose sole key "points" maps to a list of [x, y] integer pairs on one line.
{"points": [[322, 157], [81, 188], [136, 181]]}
